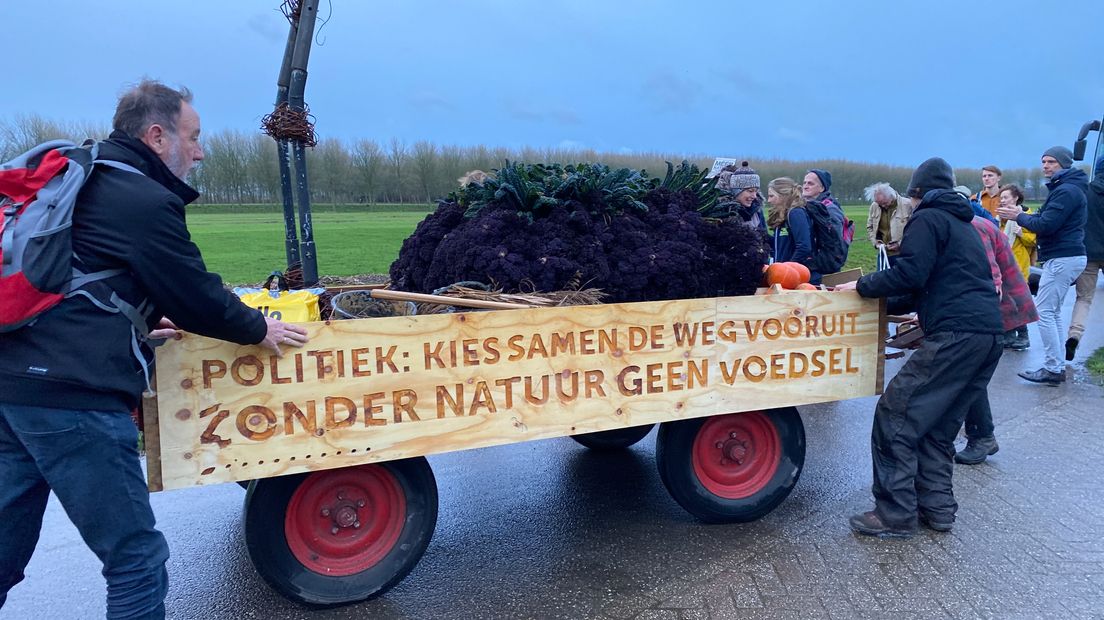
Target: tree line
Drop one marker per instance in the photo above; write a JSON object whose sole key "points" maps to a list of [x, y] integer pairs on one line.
{"points": [[242, 168]]}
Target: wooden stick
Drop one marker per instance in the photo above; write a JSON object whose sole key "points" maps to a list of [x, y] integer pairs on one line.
{"points": [[445, 300]]}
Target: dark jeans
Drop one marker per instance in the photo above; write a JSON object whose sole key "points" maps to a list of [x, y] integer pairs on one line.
{"points": [[917, 419], [90, 461]]}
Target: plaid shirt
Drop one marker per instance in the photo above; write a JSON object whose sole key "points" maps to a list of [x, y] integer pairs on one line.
{"points": [[1016, 305]]}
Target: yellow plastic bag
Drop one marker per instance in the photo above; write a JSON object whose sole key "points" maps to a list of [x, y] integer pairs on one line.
{"points": [[297, 306]]}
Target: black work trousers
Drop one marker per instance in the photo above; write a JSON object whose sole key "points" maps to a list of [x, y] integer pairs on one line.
{"points": [[917, 419]]}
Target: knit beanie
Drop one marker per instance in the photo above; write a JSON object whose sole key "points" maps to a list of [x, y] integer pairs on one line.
{"points": [[1062, 154], [934, 173], [824, 176], [739, 179]]}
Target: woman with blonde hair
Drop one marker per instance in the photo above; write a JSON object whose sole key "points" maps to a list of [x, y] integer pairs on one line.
{"points": [[790, 227]]}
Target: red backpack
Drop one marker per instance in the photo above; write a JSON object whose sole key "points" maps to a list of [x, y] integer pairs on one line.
{"points": [[38, 192]]}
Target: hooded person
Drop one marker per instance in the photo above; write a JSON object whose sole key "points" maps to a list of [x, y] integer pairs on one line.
{"points": [[1094, 253], [740, 194], [817, 187], [944, 271], [1059, 228]]}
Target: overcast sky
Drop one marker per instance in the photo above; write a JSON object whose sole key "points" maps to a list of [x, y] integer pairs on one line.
{"points": [[885, 81]]}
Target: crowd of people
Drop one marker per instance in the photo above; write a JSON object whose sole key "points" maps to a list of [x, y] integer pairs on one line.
{"points": [[962, 262]]}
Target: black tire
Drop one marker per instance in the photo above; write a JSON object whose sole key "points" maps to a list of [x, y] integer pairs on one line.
{"points": [[746, 463], [617, 439], [301, 529]]}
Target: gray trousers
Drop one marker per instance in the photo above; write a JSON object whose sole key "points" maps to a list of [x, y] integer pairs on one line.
{"points": [[1058, 275], [917, 419]]}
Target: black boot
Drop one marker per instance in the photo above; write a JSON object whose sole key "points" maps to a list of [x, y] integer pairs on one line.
{"points": [[1071, 348], [977, 450], [1020, 342]]}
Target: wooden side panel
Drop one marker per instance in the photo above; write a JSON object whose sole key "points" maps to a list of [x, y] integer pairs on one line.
{"points": [[380, 389], [151, 439], [883, 334]]}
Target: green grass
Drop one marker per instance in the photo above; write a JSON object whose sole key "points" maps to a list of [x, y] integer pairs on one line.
{"points": [[861, 254], [244, 247], [1095, 364]]}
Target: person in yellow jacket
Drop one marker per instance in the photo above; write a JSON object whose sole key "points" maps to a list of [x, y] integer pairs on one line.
{"points": [[1022, 241]]}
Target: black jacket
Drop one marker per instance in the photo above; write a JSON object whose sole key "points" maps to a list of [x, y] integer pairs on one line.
{"points": [[943, 267], [1060, 223], [1094, 227], [76, 356]]}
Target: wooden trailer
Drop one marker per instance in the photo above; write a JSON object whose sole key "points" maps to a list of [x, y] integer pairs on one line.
{"points": [[341, 501]]}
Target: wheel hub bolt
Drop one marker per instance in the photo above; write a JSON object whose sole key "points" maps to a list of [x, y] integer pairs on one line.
{"points": [[360, 503], [346, 516], [356, 525], [333, 530], [325, 512]]}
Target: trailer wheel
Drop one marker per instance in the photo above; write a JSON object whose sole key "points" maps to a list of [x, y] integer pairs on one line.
{"points": [[341, 535], [615, 439], [732, 468]]}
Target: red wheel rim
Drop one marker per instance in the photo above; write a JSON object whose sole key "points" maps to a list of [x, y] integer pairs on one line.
{"points": [[736, 455], [344, 521]]}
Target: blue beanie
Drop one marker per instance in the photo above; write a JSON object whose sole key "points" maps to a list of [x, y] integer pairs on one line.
{"points": [[824, 176]]}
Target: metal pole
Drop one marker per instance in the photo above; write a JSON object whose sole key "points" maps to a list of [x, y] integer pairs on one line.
{"points": [[291, 240], [304, 37]]}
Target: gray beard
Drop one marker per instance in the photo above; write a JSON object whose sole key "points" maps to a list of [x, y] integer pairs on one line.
{"points": [[176, 163]]}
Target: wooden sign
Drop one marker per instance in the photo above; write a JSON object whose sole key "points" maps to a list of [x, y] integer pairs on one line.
{"points": [[389, 388]]}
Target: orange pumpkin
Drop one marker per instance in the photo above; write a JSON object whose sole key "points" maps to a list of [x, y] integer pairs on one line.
{"points": [[803, 271], [805, 286], [784, 275]]}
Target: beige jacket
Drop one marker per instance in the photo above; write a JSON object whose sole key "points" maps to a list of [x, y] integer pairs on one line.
{"points": [[897, 222]]}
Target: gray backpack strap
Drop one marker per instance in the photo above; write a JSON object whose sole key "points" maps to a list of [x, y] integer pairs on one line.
{"points": [[81, 279], [137, 315], [139, 331], [7, 240], [118, 165]]}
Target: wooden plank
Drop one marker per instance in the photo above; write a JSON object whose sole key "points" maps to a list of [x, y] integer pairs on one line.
{"points": [[379, 389], [151, 438], [446, 300], [835, 279], [883, 333]]}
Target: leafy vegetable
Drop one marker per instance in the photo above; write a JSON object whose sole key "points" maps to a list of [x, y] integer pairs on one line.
{"points": [[544, 226]]}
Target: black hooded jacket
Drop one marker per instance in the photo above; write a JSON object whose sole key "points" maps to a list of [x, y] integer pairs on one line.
{"points": [[943, 267], [76, 356], [1094, 227]]}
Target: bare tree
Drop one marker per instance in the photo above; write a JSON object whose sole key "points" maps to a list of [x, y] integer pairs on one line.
{"points": [[26, 130], [397, 158], [424, 160], [367, 160]]}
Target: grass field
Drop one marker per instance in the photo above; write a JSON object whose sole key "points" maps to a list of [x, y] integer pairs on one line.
{"points": [[246, 247]]}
